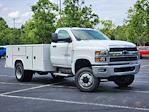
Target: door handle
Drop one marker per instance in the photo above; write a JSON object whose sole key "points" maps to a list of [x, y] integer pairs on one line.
{"points": [[54, 46]]}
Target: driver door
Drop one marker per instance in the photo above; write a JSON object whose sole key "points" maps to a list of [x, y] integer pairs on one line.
{"points": [[59, 50]]}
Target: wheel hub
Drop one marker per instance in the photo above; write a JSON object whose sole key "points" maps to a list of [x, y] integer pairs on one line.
{"points": [[86, 80]]}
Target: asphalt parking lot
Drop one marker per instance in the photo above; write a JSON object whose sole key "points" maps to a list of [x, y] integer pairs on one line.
{"points": [[44, 94]]}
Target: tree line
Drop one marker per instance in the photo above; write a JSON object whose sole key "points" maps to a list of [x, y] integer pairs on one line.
{"points": [[47, 16]]}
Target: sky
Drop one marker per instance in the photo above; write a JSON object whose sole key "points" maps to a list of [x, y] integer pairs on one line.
{"points": [[115, 10]]}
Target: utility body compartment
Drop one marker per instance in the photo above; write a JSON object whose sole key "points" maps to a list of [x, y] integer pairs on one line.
{"points": [[34, 57]]}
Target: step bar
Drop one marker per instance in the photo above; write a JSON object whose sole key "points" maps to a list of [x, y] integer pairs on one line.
{"points": [[62, 74]]}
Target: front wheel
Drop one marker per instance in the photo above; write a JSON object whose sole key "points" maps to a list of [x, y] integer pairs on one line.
{"points": [[124, 81], [85, 80]]}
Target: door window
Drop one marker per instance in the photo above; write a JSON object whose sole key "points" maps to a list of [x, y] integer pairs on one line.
{"points": [[63, 35]]}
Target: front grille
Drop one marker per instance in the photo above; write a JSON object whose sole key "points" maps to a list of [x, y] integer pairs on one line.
{"points": [[116, 59], [122, 49], [123, 54], [124, 69]]}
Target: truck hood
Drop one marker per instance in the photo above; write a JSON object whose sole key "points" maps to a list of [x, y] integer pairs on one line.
{"points": [[104, 44]]}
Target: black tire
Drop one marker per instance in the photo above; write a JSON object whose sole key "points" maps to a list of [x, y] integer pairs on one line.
{"points": [[85, 80], [21, 74], [141, 57], [124, 81], [55, 77], [4, 54]]}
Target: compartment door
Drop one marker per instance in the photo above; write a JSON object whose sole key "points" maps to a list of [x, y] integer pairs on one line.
{"points": [[29, 58], [9, 57], [38, 58]]}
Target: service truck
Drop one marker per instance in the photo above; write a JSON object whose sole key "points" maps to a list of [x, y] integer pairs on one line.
{"points": [[85, 53]]}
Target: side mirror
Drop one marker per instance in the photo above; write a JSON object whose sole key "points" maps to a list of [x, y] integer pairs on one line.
{"points": [[54, 37], [68, 40]]}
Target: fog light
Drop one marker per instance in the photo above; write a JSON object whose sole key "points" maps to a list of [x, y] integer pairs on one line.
{"points": [[102, 70], [102, 59]]}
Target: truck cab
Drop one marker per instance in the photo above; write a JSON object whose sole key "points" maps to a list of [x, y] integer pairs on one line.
{"points": [[89, 56]]}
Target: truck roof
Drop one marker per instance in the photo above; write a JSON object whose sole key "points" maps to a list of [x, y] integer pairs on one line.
{"points": [[76, 28]]}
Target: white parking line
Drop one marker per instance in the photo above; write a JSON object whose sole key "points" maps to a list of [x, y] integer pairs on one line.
{"points": [[6, 76], [144, 82], [62, 86], [70, 87], [22, 84], [145, 92], [37, 87], [143, 72], [144, 66], [29, 84], [76, 102]]}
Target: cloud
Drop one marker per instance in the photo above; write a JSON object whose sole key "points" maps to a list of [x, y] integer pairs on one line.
{"points": [[3, 9], [24, 17], [1, 6], [21, 18], [19, 21], [14, 14], [27, 14]]}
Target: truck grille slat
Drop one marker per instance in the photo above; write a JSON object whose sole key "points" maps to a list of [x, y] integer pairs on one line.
{"points": [[123, 54], [122, 49]]}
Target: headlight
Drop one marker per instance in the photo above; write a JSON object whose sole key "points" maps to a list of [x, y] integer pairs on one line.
{"points": [[100, 56]]}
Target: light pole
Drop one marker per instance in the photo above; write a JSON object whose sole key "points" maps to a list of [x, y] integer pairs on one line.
{"points": [[14, 25], [60, 7], [14, 22]]}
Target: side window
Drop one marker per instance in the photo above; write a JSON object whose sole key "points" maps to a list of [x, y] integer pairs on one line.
{"points": [[63, 35]]}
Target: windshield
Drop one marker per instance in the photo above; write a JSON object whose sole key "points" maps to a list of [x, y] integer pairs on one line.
{"points": [[89, 35]]}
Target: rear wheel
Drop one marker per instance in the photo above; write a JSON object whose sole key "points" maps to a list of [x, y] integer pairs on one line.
{"points": [[85, 80], [21, 74], [124, 81]]}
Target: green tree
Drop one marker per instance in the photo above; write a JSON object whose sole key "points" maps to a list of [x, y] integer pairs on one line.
{"points": [[77, 14], [3, 31], [8, 35], [107, 27], [30, 33], [42, 24], [138, 22]]}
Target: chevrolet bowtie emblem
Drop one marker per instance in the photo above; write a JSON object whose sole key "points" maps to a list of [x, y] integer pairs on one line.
{"points": [[125, 52]]}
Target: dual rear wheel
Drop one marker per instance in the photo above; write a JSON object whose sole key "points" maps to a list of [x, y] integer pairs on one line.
{"points": [[26, 75]]}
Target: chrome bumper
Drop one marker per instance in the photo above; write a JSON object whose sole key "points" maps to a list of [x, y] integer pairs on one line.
{"points": [[111, 70]]}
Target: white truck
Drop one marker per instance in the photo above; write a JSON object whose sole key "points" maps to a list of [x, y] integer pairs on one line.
{"points": [[85, 53]]}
